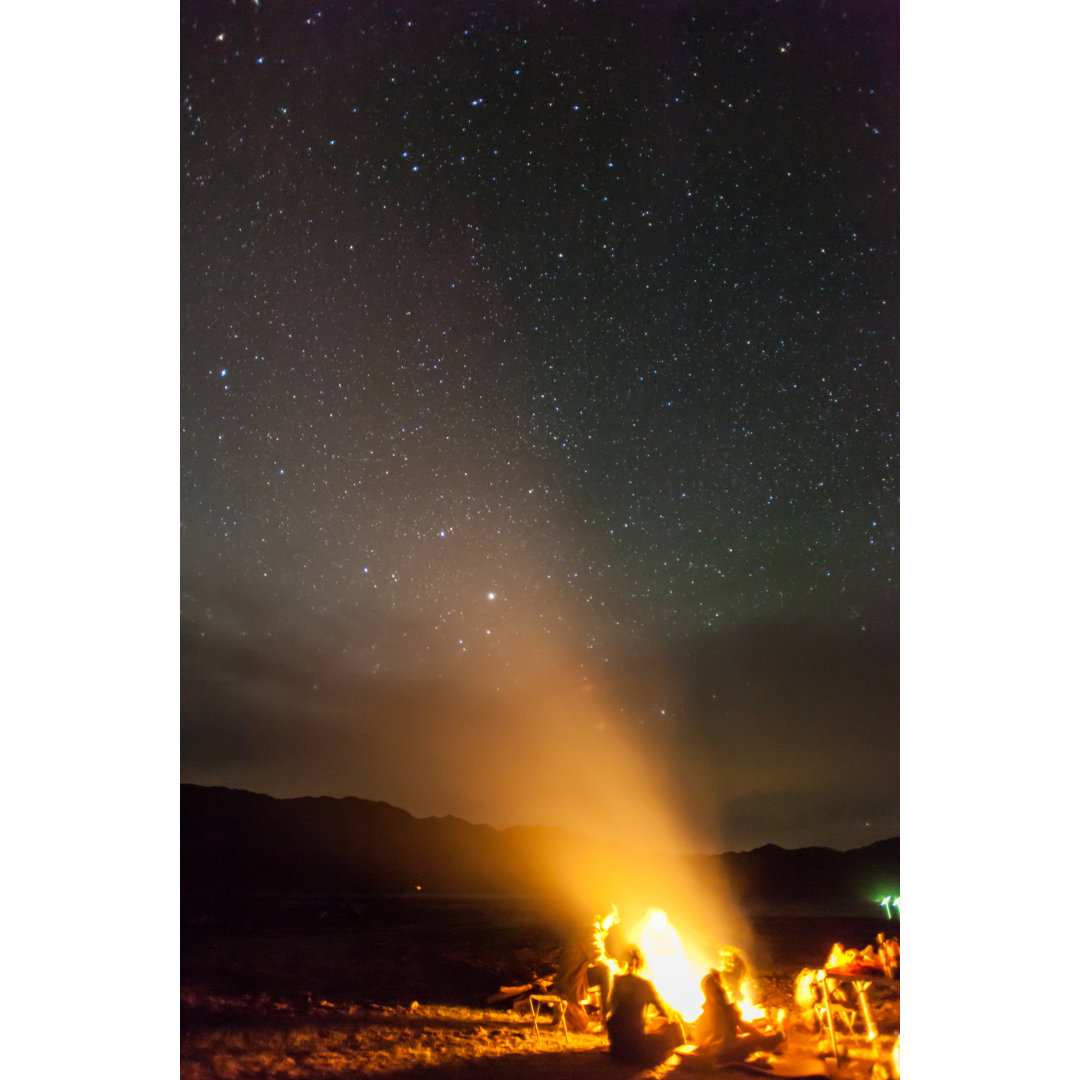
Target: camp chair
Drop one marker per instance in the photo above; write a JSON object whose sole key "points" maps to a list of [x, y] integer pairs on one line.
{"points": [[537, 1001]]}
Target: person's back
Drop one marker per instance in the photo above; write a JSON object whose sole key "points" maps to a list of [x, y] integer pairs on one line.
{"points": [[631, 999], [720, 1017], [721, 1030]]}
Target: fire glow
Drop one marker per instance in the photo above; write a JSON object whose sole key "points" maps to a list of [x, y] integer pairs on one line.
{"points": [[677, 973]]}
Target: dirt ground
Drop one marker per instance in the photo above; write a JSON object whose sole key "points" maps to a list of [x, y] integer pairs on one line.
{"points": [[308, 991]]}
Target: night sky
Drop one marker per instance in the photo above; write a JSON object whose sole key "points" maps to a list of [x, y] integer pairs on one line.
{"points": [[539, 401]]}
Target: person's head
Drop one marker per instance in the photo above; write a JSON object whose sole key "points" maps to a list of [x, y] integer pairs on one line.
{"points": [[634, 960], [716, 982], [730, 960]]}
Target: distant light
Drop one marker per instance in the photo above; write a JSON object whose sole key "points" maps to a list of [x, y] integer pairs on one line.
{"points": [[491, 596]]}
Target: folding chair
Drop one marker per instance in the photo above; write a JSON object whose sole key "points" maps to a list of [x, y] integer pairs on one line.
{"points": [[536, 1001]]}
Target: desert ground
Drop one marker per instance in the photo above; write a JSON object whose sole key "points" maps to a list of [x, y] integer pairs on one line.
{"points": [[326, 989]]}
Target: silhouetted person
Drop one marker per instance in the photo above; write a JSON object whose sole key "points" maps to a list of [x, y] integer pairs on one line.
{"points": [[733, 971], [628, 1024], [889, 952], [721, 1029], [584, 963]]}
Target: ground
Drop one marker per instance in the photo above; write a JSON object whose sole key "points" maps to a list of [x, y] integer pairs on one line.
{"points": [[302, 990]]}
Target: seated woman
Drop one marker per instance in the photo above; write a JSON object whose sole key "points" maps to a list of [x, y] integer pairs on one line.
{"points": [[634, 1036], [720, 1028]]}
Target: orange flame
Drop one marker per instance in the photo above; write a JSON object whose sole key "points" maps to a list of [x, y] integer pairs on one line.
{"points": [[677, 972], [674, 974]]}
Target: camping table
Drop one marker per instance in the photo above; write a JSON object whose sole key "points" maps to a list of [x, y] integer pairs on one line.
{"points": [[860, 984]]}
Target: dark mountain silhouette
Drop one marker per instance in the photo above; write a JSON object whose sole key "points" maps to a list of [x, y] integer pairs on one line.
{"points": [[234, 842], [772, 873]]}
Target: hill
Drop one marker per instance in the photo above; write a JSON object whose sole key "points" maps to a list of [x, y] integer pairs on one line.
{"points": [[234, 842]]}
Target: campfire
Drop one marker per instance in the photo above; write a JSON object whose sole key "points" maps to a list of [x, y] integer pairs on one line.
{"points": [[675, 969], [677, 972], [833, 1001]]}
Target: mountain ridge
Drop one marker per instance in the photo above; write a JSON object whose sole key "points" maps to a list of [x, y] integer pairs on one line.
{"points": [[234, 840]]}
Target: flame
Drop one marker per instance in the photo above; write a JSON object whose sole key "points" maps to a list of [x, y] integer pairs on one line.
{"points": [[839, 956], [677, 973], [672, 972], [883, 959], [749, 1010]]}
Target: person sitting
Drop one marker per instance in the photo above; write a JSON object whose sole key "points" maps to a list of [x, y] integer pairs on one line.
{"points": [[634, 1035], [584, 963], [720, 1029], [889, 953]]}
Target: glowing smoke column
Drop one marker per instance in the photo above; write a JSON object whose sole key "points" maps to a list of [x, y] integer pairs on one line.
{"points": [[513, 735]]}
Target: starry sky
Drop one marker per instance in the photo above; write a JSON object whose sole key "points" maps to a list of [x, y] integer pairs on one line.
{"points": [[539, 400]]}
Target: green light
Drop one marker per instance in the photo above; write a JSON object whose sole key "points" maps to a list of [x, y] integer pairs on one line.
{"points": [[885, 905]]}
